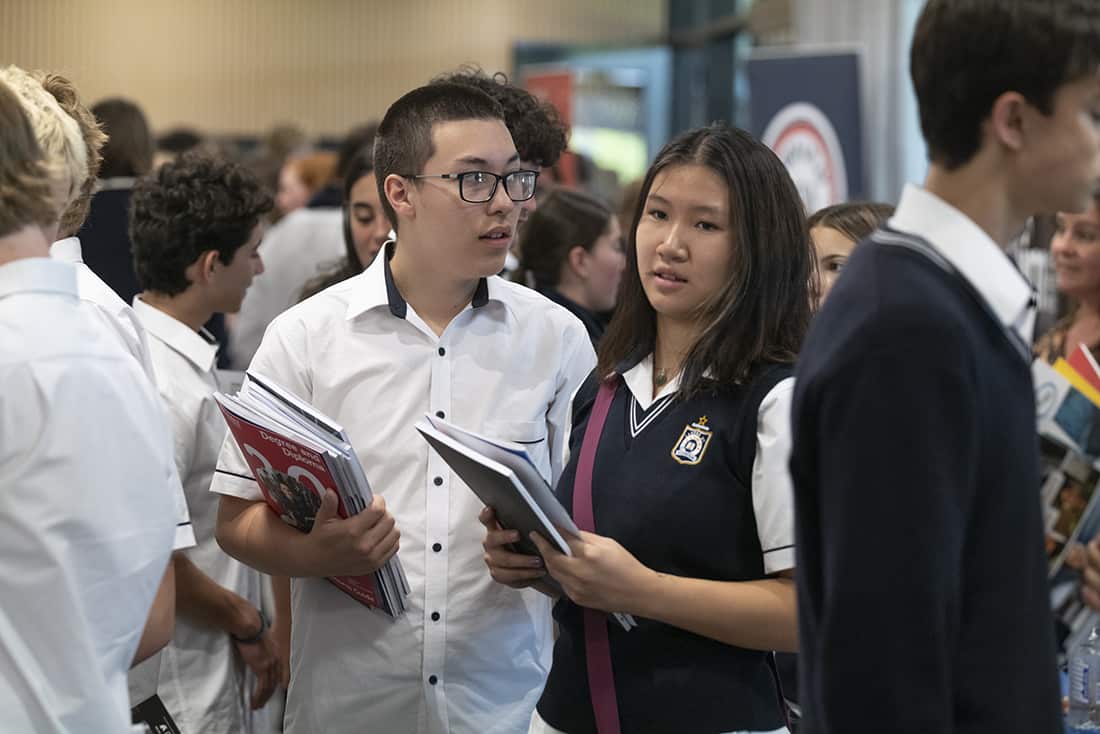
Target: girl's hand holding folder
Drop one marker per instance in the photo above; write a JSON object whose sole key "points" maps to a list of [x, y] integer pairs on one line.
{"points": [[600, 574], [507, 567]]}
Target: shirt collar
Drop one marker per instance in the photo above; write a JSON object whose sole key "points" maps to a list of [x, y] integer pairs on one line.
{"points": [[970, 251], [37, 275], [377, 288], [198, 347], [639, 380], [67, 250]]}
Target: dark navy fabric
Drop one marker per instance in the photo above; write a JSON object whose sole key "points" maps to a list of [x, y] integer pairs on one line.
{"points": [[693, 520], [923, 600]]}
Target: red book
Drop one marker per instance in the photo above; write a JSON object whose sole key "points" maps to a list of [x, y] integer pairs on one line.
{"points": [[1082, 361], [293, 478]]}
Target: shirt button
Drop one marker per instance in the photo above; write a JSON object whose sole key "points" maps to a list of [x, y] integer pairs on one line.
{"points": [[442, 352], [435, 616], [433, 679], [437, 547], [438, 481], [440, 414]]}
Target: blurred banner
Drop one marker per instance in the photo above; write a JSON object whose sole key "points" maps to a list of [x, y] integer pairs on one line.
{"points": [[806, 107]]}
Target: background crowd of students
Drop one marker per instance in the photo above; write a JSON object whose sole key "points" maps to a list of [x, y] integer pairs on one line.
{"points": [[683, 367]]}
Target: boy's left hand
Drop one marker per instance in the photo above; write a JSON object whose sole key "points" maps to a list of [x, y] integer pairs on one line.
{"points": [[600, 574]]}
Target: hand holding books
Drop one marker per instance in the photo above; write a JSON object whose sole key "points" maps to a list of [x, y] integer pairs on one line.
{"points": [[354, 546], [310, 477], [599, 574]]}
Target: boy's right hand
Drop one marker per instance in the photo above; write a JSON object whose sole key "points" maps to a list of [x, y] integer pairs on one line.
{"points": [[354, 546], [517, 570]]}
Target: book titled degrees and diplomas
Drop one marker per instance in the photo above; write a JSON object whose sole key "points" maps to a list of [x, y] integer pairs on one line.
{"points": [[504, 477], [296, 453]]}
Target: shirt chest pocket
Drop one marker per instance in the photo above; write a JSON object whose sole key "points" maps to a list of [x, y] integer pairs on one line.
{"points": [[531, 435]]}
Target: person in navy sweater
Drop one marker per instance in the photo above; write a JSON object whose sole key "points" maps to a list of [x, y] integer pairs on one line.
{"points": [[687, 485], [923, 602]]}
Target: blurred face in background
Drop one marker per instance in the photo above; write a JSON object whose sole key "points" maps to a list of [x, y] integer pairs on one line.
{"points": [[603, 267], [833, 248], [1075, 250], [293, 192], [369, 227]]}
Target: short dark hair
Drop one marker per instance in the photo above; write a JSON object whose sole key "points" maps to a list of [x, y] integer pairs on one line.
{"points": [[564, 219], [129, 149], [856, 220], [763, 312], [404, 144], [536, 127], [192, 205], [967, 53]]}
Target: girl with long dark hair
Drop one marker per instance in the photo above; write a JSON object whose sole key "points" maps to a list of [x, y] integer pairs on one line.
{"points": [[678, 476]]}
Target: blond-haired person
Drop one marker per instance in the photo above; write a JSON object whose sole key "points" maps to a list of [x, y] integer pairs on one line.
{"points": [[70, 141], [77, 583]]}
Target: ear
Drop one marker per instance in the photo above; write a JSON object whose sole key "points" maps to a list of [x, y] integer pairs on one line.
{"points": [[399, 192], [202, 270], [578, 261], [1009, 120]]}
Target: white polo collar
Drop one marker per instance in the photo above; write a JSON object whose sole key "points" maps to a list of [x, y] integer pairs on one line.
{"points": [[198, 347], [37, 275], [67, 250], [972, 252]]}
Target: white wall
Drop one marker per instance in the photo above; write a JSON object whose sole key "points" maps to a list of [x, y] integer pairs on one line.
{"points": [[881, 29]]}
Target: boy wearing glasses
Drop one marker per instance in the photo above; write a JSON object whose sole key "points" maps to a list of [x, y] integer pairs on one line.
{"points": [[427, 327]]}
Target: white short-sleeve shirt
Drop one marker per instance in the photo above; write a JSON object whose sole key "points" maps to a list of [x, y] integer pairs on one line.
{"points": [[202, 681], [470, 655], [106, 307], [87, 520]]}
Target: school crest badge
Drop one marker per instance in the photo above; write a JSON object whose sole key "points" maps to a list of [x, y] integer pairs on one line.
{"points": [[691, 447]]}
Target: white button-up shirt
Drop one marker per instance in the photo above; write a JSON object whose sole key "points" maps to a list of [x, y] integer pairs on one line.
{"points": [[470, 655], [202, 683], [86, 512], [973, 253]]}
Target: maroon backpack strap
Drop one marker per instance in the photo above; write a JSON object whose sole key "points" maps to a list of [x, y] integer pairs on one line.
{"points": [[597, 648]]}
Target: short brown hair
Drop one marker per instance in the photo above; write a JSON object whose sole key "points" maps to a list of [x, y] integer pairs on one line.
{"points": [[967, 53], [94, 138], [856, 220], [129, 150], [536, 127], [404, 144], [26, 196]]}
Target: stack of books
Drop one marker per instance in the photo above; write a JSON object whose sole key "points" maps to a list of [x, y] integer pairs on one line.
{"points": [[1067, 397], [296, 453]]}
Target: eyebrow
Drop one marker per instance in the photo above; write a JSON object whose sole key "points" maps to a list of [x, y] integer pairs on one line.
{"points": [[705, 208], [473, 160]]}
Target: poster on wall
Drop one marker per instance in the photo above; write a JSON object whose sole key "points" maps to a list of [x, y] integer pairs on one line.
{"points": [[806, 107]]}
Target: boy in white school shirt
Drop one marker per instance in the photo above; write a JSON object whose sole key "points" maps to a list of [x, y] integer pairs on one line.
{"points": [[70, 140], [195, 227], [80, 431], [426, 328]]}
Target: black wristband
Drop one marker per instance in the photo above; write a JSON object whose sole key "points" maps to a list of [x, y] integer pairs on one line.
{"points": [[256, 637]]}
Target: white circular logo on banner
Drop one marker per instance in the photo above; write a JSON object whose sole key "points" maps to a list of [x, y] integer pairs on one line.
{"points": [[807, 143]]}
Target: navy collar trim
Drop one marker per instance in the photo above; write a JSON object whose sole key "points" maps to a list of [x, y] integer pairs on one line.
{"points": [[397, 303]]}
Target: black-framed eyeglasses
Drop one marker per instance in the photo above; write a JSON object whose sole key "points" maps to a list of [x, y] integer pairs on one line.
{"points": [[478, 187]]}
